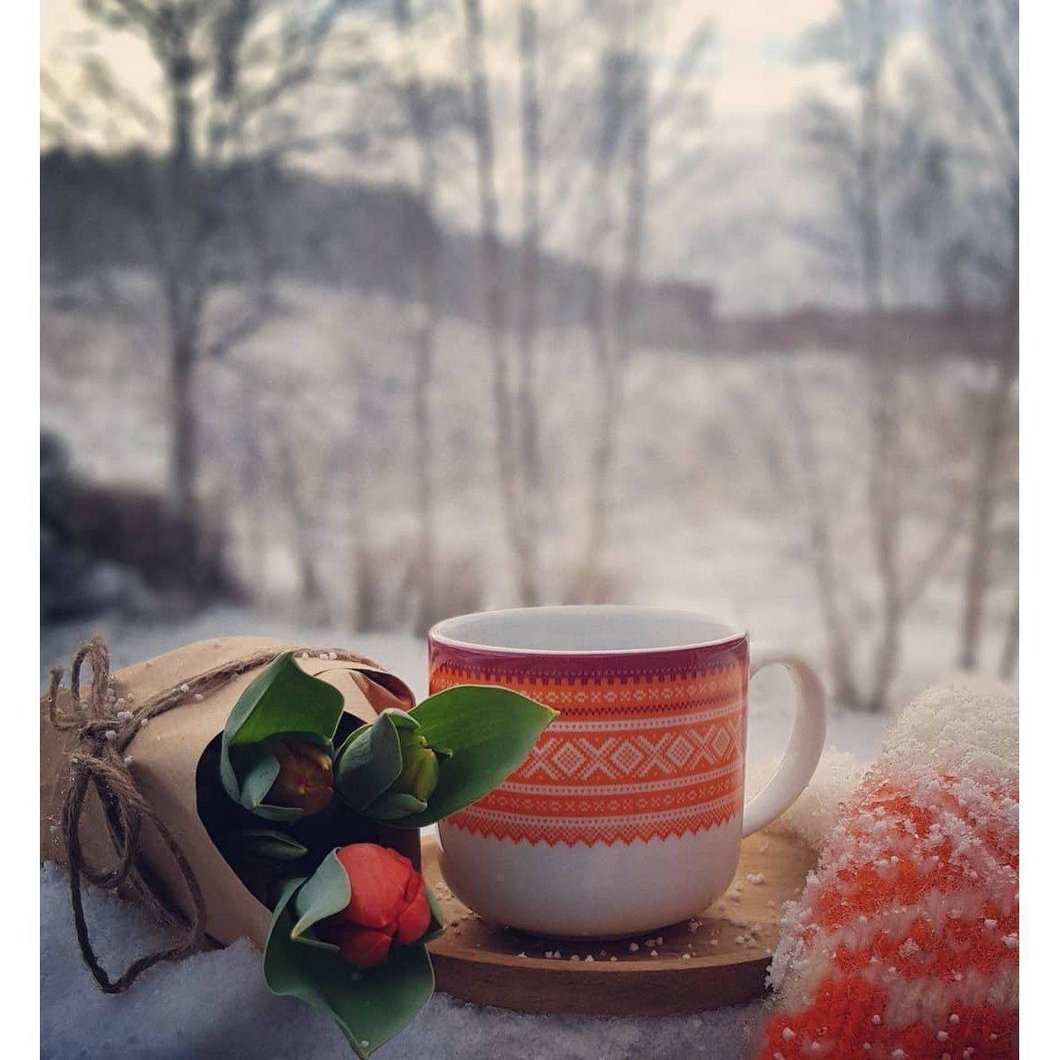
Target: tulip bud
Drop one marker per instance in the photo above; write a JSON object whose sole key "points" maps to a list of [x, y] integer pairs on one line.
{"points": [[388, 770], [388, 905], [305, 780], [419, 766]]}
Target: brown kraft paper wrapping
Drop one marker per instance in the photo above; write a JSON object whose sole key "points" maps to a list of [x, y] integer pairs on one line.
{"points": [[165, 755]]}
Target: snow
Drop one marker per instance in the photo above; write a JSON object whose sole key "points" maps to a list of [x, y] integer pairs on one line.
{"points": [[216, 1005], [815, 812], [969, 726]]}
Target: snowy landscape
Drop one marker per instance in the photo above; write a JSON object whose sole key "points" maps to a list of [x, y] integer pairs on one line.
{"points": [[710, 511]]}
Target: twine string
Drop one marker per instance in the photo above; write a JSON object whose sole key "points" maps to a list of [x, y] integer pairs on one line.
{"points": [[99, 764]]}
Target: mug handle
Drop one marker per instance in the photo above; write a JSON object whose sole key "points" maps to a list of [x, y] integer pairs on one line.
{"points": [[804, 747]]}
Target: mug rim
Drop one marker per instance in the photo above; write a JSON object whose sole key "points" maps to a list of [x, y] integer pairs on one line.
{"points": [[437, 634]]}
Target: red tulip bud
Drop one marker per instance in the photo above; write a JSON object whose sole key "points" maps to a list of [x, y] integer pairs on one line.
{"points": [[388, 905]]}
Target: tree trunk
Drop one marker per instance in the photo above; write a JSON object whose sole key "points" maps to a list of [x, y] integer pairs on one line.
{"points": [[493, 277], [425, 550], [600, 501], [181, 280], [364, 589], [988, 469], [822, 549], [183, 428], [625, 310], [618, 103], [303, 523], [984, 503], [529, 437], [255, 482], [884, 484], [1010, 650], [423, 240], [884, 502]]}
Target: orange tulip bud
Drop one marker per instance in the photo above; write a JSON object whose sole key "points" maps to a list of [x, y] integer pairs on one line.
{"points": [[305, 779], [388, 905]]}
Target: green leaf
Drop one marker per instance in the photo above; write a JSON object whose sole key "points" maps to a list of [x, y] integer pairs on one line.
{"points": [[324, 894], [281, 700], [258, 778], [370, 1006], [489, 732], [273, 846], [369, 761], [401, 719]]}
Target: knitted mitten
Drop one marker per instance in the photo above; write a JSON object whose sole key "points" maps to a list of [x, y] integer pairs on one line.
{"points": [[905, 941]]}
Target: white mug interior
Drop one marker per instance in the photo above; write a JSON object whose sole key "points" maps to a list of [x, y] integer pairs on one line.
{"points": [[584, 629]]}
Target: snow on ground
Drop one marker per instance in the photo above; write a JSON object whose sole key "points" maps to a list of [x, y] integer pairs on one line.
{"points": [[216, 1004]]}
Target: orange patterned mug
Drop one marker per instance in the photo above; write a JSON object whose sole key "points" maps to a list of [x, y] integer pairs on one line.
{"points": [[628, 814]]}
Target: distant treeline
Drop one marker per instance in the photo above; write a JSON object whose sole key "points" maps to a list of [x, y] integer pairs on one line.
{"points": [[96, 213]]}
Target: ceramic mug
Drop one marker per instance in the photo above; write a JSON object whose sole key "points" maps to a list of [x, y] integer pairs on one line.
{"points": [[628, 813]]}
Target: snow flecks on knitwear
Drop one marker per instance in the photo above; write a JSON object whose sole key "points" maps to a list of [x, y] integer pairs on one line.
{"points": [[905, 941]]}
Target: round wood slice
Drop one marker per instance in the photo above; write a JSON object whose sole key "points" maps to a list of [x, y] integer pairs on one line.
{"points": [[720, 958]]}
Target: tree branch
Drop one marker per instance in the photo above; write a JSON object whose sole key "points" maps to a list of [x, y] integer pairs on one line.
{"points": [[938, 552]]}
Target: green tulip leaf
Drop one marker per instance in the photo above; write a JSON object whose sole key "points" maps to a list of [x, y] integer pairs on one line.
{"points": [[258, 778], [281, 701], [273, 846], [488, 731], [370, 1006], [324, 894], [402, 719], [394, 805], [369, 761]]}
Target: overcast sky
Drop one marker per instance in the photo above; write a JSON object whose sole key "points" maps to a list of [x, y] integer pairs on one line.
{"points": [[753, 73], [727, 226]]}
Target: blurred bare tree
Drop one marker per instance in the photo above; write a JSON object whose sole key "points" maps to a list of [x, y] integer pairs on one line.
{"points": [[423, 240], [978, 41], [628, 115], [527, 404], [622, 137], [859, 147], [495, 296], [227, 70]]}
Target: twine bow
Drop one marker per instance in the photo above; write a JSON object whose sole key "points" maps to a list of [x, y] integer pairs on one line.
{"points": [[105, 727]]}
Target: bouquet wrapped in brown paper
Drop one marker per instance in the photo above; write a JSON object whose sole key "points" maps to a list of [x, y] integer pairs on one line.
{"points": [[244, 787], [163, 754]]}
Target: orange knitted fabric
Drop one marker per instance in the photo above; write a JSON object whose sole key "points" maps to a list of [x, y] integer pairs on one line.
{"points": [[904, 945]]}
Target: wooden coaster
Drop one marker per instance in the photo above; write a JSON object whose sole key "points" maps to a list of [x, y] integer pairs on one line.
{"points": [[719, 958]]}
